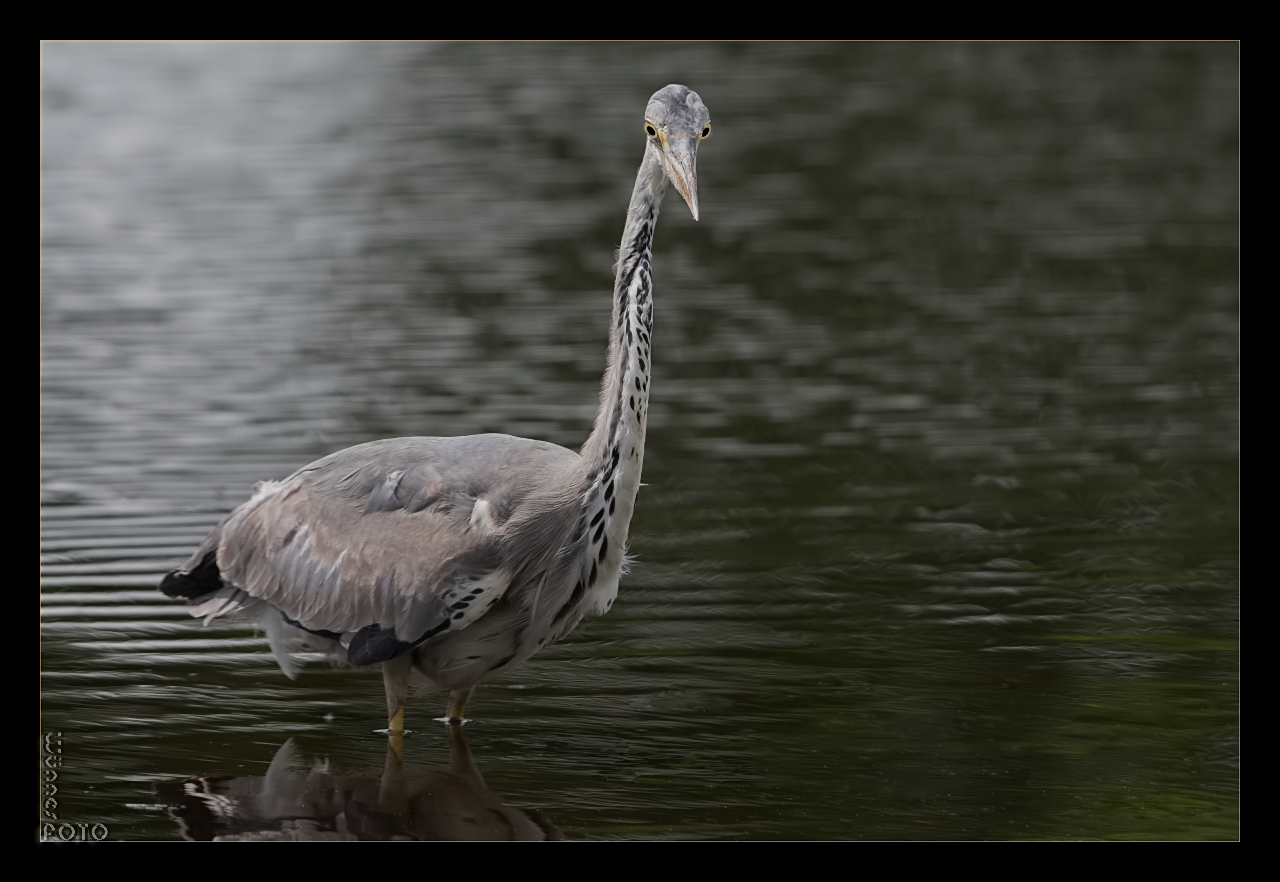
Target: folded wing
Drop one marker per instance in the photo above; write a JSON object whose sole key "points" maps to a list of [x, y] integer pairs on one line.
{"points": [[380, 546]]}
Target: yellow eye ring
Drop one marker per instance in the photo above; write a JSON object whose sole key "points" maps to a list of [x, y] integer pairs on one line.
{"points": [[706, 133], [650, 130]]}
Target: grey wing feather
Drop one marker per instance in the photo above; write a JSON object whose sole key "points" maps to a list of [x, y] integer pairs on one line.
{"points": [[406, 535]]}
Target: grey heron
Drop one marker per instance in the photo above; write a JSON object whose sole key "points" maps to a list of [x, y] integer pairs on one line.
{"points": [[450, 561]]}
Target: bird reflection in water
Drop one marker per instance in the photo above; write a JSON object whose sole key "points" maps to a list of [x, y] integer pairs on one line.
{"points": [[297, 802]]}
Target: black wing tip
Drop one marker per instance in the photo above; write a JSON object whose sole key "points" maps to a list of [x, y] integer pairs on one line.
{"points": [[194, 582], [373, 644]]}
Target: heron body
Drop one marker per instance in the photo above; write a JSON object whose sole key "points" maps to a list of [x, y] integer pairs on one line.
{"points": [[452, 560]]}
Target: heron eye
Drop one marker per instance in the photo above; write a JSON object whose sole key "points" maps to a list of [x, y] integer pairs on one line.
{"points": [[650, 130], [706, 133]]}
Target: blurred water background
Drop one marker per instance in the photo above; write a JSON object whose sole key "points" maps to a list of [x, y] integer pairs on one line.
{"points": [[941, 535]]}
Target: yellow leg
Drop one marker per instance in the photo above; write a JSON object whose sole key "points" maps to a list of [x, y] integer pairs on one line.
{"points": [[457, 706], [395, 733], [395, 677]]}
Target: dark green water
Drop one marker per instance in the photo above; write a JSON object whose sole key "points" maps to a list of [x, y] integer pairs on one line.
{"points": [[941, 535]]}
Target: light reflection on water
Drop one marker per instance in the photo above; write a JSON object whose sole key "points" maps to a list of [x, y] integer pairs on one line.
{"points": [[940, 537]]}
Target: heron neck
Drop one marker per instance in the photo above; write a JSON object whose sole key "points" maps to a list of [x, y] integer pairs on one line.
{"points": [[613, 455], [618, 435]]}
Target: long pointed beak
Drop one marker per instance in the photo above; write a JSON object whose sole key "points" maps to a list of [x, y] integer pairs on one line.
{"points": [[682, 168]]}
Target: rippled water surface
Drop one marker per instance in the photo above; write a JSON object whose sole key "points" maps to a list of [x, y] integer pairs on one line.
{"points": [[940, 538]]}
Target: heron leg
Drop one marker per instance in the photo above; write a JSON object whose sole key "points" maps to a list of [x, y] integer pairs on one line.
{"points": [[395, 679], [458, 699]]}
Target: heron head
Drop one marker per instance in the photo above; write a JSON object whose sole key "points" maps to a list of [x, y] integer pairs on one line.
{"points": [[676, 122]]}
